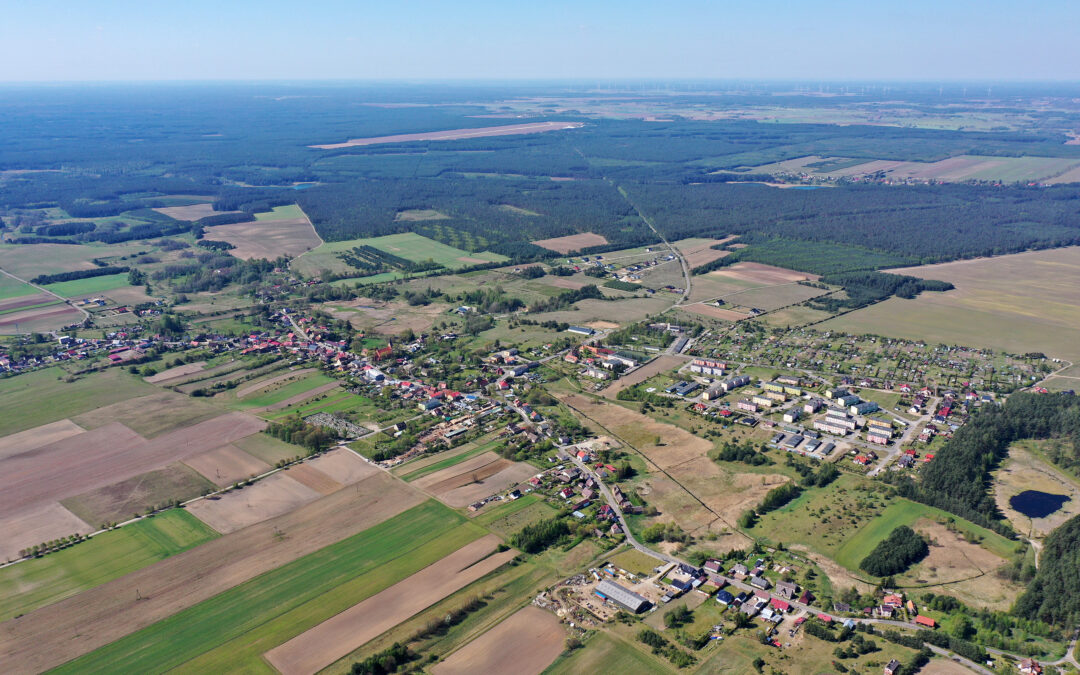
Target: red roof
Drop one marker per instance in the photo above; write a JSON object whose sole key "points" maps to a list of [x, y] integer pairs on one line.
{"points": [[925, 621], [825, 617], [780, 604]]}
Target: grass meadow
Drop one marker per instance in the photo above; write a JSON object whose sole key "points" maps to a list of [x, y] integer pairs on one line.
{"points": [[41, 396]]}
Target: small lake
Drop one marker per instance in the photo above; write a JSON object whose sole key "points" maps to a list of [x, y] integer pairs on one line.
{"points": [[1035, 504]]}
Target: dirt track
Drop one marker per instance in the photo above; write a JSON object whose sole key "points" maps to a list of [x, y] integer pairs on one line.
{"points": [[60, 632], [336, 637], [537, 637]]}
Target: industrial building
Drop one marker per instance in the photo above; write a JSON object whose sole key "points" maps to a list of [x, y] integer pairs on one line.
{"points": [[628, 600]]}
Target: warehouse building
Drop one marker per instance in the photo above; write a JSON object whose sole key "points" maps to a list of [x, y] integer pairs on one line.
{"points": [[628, 600]]}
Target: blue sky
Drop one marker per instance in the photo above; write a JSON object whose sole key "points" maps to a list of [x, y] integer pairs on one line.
{"points": [[426, 39]]}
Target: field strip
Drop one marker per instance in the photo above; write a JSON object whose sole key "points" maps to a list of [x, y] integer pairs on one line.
{"points": [[536, 634], [324, 644], [31, 439], [176, 372], [303, 396], [455, 134], [268, 498], [251, 389], [53, 635], [29, 527], [107, 455]]}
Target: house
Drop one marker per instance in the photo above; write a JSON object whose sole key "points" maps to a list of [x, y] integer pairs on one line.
{"points": [[841, 607], [760, 582], [787, 589], [892, 667], [925, 621], [806, 598], [713, 566], [893, 600], [740, 570], [724, 597], [1029, 667], [780, 605]]}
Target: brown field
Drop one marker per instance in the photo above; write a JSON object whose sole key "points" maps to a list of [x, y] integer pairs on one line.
{"points": [[559, 282], [714, 312], [960, 568], [943, 666], [176, 372], [244, 392], [40, 319], [456, 134], [45, 434], [572, 242], [654, 367], [112, 453], [336, 637], [128, 498], [191, 212], [1018, 303], [67, 629], [150, 416], [701, 252], [1070, 176], [387, 318], [270, 497], [537, 636], [267, 238], [343, 465], [309, 476], [26, 301], [226, 465], [764, 275], [128, 295], [474, 479], [32, 526]]}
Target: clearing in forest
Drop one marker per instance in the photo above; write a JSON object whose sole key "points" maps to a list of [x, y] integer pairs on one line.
{"points": [[572, 242], [456, 134]]}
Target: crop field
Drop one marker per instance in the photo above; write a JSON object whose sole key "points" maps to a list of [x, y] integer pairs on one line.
{"points": [[30, 260], [285, 231], [150, 416], [39, 319], [35, 524], [226, 465], [29, 400], [119, 501], [10, 288], [91, 286], [1017, 303], [107, 556], [339, 635], [279, 389], [615, 311], [25, 441], [191, 212], [235, 627], [714, 312], [951, 170], [606, 653], [475, 478], [508, 518], [408, 245], [266, 499], [445, 460], [387, 318], [658, 365], [572, 242], [27, 302], [700, 251], [104, 614], [760, 274], [538, 637], [457, 134], [267, 448]]}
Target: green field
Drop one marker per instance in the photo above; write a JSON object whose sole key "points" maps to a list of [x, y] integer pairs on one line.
{"points": [[43, 581], [80, 287], [449, 461], [277, 393], [30, 260], [267, 448], [41, 396], [604, 653], [231, 631], [287, 212], [408, 245], [9, 288], [506, 519]]}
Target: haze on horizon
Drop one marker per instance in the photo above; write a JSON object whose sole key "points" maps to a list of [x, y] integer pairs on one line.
{"points": [[124, 40]]}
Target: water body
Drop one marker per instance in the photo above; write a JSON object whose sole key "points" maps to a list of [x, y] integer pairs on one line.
{"points": [[1035, 504], [808, 187]]}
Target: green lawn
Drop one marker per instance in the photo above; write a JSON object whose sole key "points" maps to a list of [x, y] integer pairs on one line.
{"points": [[40, 397], [9, 288], [231, 631], [43, 581], [287, 212], [80, 287]]}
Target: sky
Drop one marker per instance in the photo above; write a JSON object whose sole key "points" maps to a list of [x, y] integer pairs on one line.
{"points": [[940, 40]]}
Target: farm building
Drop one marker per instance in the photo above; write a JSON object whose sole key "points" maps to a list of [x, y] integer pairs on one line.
{"points": [[628, 600]]}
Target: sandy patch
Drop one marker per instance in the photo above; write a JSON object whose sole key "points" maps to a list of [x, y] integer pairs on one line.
{"points": [[270, 497], [311, 477], [573, 242], [37, 437], [226, 465], [314, 649], [35, 525], [602, 325], [538, 639], [176, 372], [55, 634], [456, 134], [714, 312]]}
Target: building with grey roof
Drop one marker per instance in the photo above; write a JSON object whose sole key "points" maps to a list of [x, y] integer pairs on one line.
{"points": [[628, 600]]}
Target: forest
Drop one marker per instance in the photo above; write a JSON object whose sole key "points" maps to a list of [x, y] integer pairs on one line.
{"points": [[896, 553], [1053, 595]]}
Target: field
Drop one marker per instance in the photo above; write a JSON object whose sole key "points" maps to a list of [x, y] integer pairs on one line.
{"points": [[320, 646], [1017, 303], [35, 524], [124, 499], [714, 312], [285, 231], [24, 441], [538, 638], [176, 372], [604, 653], [473, 479], [387, 318], [39, 319], [303, 551], [762, 275], [92, 286], [456, 134], [30, 260], [572, 242], [42, 581], [234, 628], [191, 212], [633, 560], [658, 365], [443, 460], [10, 288], [951, 170], [700, 251], [509, 517], [408, 245], [150, 416]]}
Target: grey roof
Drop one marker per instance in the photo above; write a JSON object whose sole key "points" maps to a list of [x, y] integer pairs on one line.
{"points": [[616, 593]]}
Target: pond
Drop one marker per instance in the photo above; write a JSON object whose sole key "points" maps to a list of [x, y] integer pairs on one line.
{"points": [[1035, 504]]}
